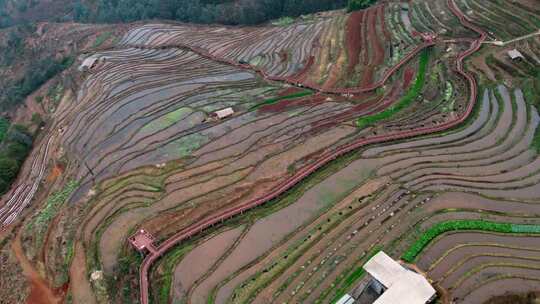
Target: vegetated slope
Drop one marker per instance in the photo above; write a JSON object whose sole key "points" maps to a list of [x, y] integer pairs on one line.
{"points": [[135, 147], [199, 11], [143, 139]]}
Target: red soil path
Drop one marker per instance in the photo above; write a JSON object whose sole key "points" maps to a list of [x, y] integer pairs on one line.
{"points": [[386, 33], [324, 159], [407, 77], [376, 52], [354, 38]]}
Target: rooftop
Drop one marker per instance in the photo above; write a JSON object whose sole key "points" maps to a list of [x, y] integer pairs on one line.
{"points": [[515, 54], [403, 285], [224, 113]]}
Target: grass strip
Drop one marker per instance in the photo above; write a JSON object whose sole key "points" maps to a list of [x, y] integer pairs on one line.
{"points": [[354, 275], [279, 98], [53, 204], [405, 101], [459, 225]]}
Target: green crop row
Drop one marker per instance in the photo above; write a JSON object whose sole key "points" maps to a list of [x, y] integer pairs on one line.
{"points": [[279, 98], [458, 225], [405, 101]]}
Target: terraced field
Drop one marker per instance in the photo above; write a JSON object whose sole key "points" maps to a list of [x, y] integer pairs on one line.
{"points": [[382, 129], [386, 199]]}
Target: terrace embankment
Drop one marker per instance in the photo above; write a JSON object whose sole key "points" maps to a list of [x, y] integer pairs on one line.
{"points": [[141, 143]]}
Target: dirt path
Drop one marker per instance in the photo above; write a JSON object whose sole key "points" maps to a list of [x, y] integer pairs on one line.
{"points": [[80, 289], [40, 291]]}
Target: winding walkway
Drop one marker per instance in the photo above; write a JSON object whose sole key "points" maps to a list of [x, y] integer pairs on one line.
{"points": [[327, 157]]}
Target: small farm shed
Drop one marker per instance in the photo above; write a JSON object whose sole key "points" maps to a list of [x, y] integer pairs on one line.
{"points": [[223, 113], [398, 285], [90, 62], [515, 54]]}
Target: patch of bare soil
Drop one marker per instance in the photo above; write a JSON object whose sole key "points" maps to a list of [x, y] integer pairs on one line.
{"points": [[40, 290], [480, 63]]}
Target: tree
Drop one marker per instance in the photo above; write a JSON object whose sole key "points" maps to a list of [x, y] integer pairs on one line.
{"points": [[80, 12], [8, 169], [17, 151], [355, 5]]}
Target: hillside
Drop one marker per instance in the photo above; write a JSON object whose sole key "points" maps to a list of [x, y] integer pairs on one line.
{"points": [[192, 163], [15, 12]]}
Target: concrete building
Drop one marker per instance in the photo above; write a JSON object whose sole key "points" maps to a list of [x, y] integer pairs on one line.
{"points": [[397, 284], [515, 54]]}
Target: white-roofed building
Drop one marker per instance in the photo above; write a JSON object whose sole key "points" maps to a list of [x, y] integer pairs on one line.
{"points": [[224, 113], [515, 54], [90, 62], [399, 284]]}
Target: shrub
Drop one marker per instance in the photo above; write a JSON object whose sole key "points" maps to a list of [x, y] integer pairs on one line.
{"points": [[13, 151], [4, 126], [41, 71], [8, 169], [355, 5], [37, 119]]}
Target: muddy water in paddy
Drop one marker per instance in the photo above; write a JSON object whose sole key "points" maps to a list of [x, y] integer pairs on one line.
{"points": [[450, 240], [200, 260], [476, 261], [269, 231], [479, 123], [498, 288], [459, 253], [460, 200], [471, 283]]}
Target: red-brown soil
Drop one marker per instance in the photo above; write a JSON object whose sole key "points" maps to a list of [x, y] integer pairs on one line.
{"points": [[56, 171], [407, 77], [354, 39], [41, 292]]}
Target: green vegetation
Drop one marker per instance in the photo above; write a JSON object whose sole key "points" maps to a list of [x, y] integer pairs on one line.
{"points": [[167, 120], [101, 38], [184, 146], [283, 21], [355, 5], [14, 147], [198, 11], [165, 272], [354, 275], [52, 205], [40, 71], [4, 126], [405, 101], [457, 225], [279, 98]]}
